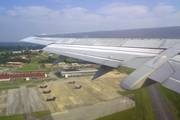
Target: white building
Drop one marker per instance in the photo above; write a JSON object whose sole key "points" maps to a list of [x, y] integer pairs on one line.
{"points": [[77, 72]]}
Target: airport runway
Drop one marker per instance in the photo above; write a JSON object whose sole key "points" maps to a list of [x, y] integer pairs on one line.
{"points": [[160, 108]]}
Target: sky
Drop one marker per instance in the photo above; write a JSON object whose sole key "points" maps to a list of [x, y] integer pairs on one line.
{"points": [[23, 18]]}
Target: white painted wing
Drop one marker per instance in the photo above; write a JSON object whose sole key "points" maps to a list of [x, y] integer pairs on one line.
{"points": [[119, 53], [155, 59]]}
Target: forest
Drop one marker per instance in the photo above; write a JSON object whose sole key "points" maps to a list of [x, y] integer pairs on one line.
{"points": [[19, 48], [6, 57]]}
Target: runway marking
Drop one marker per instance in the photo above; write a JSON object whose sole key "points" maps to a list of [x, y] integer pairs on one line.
{"points": [[158, 101]]}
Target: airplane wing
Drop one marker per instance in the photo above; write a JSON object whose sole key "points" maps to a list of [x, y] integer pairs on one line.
{"points": [[153, 52]]}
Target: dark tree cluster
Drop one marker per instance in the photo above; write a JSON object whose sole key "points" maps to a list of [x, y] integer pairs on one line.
{"points": [[6, 57], [19, 48], [24, 53]]}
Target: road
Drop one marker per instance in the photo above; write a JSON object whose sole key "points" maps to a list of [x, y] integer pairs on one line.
{"points": [[160, 108]]}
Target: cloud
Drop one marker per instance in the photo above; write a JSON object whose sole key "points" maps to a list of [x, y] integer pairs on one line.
{"points": [[1, 9], [121, 9], [11, 12], [163, 8], [73, 12], [31, 11]]}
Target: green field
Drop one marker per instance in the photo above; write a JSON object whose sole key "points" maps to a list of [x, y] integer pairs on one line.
{"points": [[47, 54], [9, 88], [51, 67], [9, 67], [30, 67], [47, 80], [55, 56], [40, 81], [41, 113], [53, 79], [125, 69], [29, 71], [12, 117], [29, 86], [172, 100], [73, 60], [20, 81], [142, 111], [33, 60], [1, 68]]}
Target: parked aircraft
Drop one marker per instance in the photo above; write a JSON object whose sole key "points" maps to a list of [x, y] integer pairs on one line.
{"points": [[47, 91], [153, 52], [44, 86]]}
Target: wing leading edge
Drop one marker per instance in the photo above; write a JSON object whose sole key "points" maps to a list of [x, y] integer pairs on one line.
{"points": [[155, 59]]}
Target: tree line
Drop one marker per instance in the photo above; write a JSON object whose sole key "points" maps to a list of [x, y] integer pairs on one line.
{"points": [[19, 48], [6, 57]]}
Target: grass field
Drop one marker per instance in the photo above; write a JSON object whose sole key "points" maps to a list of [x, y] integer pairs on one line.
{"points": [[142, 111], [27, 71], [9, 88], [172, 100], [53, 79], [47, 80], [29, 86], [12, 117], [8, 67], [125, 69], [14, 83], [30, 67], [47, 54], [1, 68], [33, 60], [41, 113], [51, 67], [55, 56], [40, 81]]}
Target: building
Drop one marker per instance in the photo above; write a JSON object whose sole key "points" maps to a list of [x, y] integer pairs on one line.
{"points": [[16, 52], [35, 50], [23, 76], [74, 64], [27, 78], [22, 56], [14, 64], [4, 78], [77, 72], [61, 63], [31, 56]]}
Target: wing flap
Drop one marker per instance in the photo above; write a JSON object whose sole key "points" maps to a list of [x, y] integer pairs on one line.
{"points": [[172, 84], [86, 57], [169, 74]]}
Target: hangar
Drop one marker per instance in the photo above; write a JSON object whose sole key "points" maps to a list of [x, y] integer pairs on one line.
{"points": [[77, 72]]}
